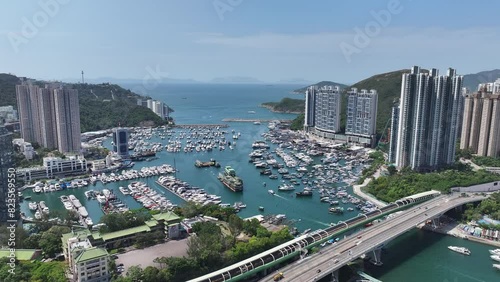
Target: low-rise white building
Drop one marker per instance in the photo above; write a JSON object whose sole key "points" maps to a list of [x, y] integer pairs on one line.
{"points": [[25, 147], [55, 167]]}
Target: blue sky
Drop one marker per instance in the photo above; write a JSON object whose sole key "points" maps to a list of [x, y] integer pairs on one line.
{"points": [[268, 40]]}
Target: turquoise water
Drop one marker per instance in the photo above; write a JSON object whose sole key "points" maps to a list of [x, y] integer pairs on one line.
{"points": [[415, 256]]}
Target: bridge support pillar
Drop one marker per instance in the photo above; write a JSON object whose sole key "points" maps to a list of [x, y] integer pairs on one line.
{"points": [[435, 222], [376, 257], [335, 276]]}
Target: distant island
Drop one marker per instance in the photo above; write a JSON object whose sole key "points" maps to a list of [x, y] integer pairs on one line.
{"points": [[286, 105]]}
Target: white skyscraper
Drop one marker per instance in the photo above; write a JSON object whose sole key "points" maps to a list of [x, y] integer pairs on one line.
{"points": [[361, 112], [428, 119]]}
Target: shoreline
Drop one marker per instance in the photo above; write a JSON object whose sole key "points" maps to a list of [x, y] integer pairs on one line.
{"points": [[452, 228], [271, 108]]}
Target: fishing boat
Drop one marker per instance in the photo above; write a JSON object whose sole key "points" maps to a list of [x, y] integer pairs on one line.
{"points": [[305, 193]]}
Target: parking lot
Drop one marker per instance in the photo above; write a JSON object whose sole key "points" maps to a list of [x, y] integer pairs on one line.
{"points": [[145, 257]]}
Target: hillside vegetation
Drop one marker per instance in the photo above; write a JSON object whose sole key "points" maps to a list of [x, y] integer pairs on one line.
{"points": [[286, 105], [102, 106]]}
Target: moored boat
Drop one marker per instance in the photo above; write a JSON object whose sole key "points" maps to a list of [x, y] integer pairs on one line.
{"points": [[495, 252], [495, 258], [305, 193], [497, 266]]}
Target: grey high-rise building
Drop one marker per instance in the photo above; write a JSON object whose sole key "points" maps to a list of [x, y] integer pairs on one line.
{"points": [[120, 142], [428, 119], [6, 173], [49, 116], [310, 107], [361, 112], [393, 134], [67, 111], [323, 106]]}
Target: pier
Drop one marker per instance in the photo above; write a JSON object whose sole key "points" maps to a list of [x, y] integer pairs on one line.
{"points": [[171, 190], [201, 125], [254, 120]]}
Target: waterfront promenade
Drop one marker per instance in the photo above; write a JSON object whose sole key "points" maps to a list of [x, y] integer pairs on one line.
{"points": [[357, 189]]}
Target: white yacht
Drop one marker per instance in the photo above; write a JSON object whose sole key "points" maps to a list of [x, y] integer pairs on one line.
{"points": [[286, 187], [271, 192], [33, 206], [461, 250], [38, 215], [89, 221], [495, 252], [497, 266], [495, 258]]}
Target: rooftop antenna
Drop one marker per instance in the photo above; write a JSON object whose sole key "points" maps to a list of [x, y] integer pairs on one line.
{"points": [[83, 80]]}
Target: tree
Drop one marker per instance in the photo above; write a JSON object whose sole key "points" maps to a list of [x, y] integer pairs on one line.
{"points": [[135, 273]]}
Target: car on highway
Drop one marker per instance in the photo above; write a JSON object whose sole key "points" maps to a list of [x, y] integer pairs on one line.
{"points": [[359, 237]]}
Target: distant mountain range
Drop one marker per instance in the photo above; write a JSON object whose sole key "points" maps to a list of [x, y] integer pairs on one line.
{"points": [[472, 81]]}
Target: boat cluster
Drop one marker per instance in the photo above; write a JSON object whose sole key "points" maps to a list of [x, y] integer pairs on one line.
{"points": [[495, 255], [40, 209], [200, 140], [132, 174], [71, 203], [146, 196], [187, 192], [53, 186]]}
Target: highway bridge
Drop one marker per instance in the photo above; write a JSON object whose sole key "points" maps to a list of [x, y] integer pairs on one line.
{"points": [[346, 250], [370, 240]]}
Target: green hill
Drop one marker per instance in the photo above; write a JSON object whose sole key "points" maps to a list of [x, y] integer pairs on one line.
{"points": [[102, 106], [321, 84], [388, 86], [286, 105]]}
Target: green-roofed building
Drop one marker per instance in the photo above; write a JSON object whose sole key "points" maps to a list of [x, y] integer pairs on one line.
{"points": [[90, 264]]}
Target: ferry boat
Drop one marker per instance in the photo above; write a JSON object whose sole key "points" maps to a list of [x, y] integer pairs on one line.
{"points": [[495, 258], [462, 250], [495, 252], [230, 180]]}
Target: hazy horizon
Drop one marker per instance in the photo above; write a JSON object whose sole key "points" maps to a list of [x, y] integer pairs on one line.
{"points": [[265, 41]]}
